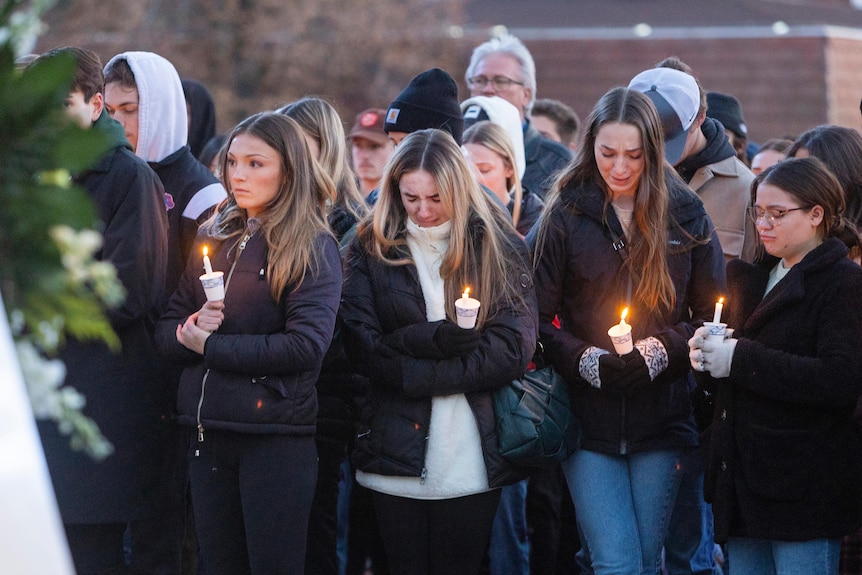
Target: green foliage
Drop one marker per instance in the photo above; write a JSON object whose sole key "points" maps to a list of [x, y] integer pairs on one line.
{"points": [[42, 146], [52, 286]]}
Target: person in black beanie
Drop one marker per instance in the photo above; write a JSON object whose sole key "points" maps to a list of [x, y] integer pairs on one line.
{"points": [[430, 100], [727, 110]]}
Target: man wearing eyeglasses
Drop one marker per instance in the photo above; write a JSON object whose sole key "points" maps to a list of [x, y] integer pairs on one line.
{"points": [[504, 67]]}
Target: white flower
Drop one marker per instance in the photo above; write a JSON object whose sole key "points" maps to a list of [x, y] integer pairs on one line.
{"points": [[43, 377]]}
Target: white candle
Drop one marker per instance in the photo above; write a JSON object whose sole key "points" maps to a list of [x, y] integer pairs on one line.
{"points": [[621, 335], [467, 309], [716, 318], [208, 267]]}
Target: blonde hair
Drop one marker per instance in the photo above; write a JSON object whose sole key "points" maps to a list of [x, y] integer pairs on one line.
{"points": [[481, 241], [496, 139], [293, 220], [321, 122], [648, 241]]}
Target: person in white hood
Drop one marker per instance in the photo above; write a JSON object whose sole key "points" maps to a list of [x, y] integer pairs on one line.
{"points": [[144, 93], [498, 156]]}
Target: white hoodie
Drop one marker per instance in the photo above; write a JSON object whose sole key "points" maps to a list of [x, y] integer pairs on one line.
{"points": [[162, 117], [504, 114]]}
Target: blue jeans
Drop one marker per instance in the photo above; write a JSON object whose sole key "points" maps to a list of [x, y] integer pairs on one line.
{"points": [[689, 545], [624, 504], [771, 557], [509, 551]]}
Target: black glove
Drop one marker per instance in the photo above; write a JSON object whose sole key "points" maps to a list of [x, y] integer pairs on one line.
{"points": [[384, 367], [454, 341], [618, 373]]}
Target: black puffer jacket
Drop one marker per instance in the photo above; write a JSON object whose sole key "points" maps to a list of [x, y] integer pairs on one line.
{"points": [[784, 453], [120, 388], [384, 313], [579, 277], [262, 363], [545, 158]]}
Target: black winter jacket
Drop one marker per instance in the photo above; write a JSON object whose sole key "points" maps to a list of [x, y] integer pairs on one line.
{"points": [[258, 370], [385, 319], [531, 211], [784, 457], [580, 278], [191, 194], [544, 160], [119, 386]]}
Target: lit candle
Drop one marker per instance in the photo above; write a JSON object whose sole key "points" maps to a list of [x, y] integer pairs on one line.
{"points": [[208, 267], [466, 310], [621, 335], [716, 318]]}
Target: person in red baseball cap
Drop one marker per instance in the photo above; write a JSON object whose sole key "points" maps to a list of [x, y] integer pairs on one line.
{"points": [[370, 148]]}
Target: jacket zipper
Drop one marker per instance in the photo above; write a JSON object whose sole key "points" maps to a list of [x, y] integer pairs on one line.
{"points": [[207, 373], [424, 475], [200, 405]]}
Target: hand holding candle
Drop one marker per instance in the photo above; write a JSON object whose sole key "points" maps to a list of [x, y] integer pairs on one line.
{"points": [[213, 282], [621, 335], [467, 309]]}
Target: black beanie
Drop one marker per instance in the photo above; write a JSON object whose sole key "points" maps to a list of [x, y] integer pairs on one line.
{"points": [[430, 100], [726, 109]]}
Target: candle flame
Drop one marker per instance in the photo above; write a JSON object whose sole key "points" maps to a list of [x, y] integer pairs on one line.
{"points": [[206, 250], [721, 300], [624, 314], [466, 293]]}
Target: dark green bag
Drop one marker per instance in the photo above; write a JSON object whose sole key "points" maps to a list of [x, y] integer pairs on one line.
{"points": [[535, 423]]}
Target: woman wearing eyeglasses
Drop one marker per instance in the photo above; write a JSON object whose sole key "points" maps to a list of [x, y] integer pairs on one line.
{"points": [[784, 452]]}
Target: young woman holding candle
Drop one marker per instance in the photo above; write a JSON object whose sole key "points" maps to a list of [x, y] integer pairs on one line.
{"points": [[427, 446], [252, 359], [621, 230], [785, 456]]}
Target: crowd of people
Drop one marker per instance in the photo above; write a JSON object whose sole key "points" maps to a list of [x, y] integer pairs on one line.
{"points": [[326, 413]]}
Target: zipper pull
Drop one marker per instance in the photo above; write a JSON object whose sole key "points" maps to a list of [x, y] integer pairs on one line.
{"points": [[244, 241], [423, 476], [200, 433]]}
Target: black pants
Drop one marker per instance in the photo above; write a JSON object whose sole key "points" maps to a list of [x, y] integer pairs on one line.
{"points": [[157, 541], [554, 539], [97, 549], [251, 496], [436, 537], [321, 555]]}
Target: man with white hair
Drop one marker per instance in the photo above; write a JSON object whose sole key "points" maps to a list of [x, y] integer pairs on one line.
{"points": [[504, 67]]}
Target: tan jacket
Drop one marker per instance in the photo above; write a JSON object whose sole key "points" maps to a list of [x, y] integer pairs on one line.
{"points": [[725, 189]]}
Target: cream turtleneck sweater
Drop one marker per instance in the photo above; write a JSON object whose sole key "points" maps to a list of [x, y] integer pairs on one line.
{"points": [[454, 463]]}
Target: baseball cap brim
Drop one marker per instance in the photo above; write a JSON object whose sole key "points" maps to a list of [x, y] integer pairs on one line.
{"points": [[672, 128], [370, 135]]}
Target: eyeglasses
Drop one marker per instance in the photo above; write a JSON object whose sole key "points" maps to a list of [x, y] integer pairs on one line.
{"points": [[500, 83], [771, 217]]}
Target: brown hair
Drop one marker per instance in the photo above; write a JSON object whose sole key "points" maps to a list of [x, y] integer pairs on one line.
{"points": [[87, 77], [296, 216], [648, 243], [812, 183]]}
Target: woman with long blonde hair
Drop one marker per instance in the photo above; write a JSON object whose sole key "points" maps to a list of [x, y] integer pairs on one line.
{"points": [[338, 388], [427, 445], [324, 131], [620, 230], [252, 358]]}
